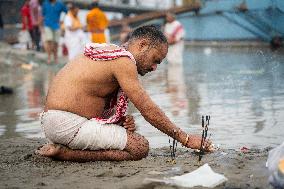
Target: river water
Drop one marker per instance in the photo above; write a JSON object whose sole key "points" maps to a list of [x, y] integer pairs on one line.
{"points": [[242, 89]]}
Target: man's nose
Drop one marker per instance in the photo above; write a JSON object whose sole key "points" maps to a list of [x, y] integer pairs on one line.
{"points": [[154, 67]]}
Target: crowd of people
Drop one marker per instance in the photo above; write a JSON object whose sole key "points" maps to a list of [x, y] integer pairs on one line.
{"points": [[51, 20]]}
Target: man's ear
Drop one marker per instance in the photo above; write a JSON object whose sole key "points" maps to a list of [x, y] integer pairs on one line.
{"points": [[144, 45]]}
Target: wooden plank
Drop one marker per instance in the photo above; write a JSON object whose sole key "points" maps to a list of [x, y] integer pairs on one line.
{"points": [[122, 8], [153, 15], [143, 14]]}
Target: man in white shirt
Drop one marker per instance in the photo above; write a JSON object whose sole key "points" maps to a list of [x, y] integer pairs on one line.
{"points": [[174, 33], [74, 36]]}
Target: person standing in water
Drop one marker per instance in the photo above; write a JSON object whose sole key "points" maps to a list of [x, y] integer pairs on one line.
{"points": [[174, 33]]}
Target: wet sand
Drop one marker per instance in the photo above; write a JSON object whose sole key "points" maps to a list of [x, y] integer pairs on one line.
{"points": [[21, 168]]}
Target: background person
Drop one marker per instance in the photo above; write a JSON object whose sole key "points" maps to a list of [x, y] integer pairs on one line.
{"points": [[174, 33], [97, 22], [27, 25], [36, 16], [74, 36], [51, 10]]}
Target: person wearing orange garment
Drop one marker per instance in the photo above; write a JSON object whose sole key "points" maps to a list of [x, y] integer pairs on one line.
{"points": [[97, 22]]}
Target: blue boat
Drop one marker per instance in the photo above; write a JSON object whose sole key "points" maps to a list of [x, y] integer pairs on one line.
{"points": [[231, 20]]}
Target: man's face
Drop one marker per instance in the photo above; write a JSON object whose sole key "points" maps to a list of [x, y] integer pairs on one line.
{"points": [[169, 18], [148, 58], [75, 11]]}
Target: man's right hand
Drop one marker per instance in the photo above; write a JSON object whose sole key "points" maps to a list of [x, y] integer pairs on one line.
{"points": [[194, 142]]}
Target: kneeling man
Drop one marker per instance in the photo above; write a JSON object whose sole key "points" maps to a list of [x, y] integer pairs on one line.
{"points": [[84, 115]]}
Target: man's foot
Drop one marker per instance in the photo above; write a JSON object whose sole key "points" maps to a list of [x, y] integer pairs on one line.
{"points": [[48, 150]]}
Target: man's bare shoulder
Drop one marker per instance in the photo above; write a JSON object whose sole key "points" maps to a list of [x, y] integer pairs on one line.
{"points": [[83, 61], [124, 64], [120, 67]]}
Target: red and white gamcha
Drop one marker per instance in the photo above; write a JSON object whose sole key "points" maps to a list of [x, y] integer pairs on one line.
{"points": [[119, 102]]}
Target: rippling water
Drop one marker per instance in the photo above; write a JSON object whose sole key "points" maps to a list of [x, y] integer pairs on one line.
{"points": [[241, 89]]}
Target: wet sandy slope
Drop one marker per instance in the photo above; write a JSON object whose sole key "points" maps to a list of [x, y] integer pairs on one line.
{"points": [[20, 168]]}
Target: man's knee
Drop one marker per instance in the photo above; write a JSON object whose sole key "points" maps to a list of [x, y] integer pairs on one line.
{"points": [[142, 149], [137, 146]]}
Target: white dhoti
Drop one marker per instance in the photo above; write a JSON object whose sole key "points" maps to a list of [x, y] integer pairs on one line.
{"points": [[75, 42], [78, 132]]}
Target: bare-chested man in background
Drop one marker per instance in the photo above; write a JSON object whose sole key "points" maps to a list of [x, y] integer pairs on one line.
{"points": [[84, 112]]}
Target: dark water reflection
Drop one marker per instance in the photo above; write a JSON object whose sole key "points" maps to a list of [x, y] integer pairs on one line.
{"points": [[242, 90]]}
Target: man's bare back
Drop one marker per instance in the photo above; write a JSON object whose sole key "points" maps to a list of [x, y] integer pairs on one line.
{"points": [[82, 87]]}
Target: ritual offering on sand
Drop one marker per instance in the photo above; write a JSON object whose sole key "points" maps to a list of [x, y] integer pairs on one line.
{"points": [[173, 149], [204, 144]]}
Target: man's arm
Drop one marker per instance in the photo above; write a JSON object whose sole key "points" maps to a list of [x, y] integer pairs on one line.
{"points": [[125, 72]]}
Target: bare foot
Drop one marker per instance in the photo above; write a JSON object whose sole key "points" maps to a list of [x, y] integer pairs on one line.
{"points": [[49, 150]]}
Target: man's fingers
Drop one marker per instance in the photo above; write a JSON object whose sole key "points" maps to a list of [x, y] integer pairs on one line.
{"points": [[129, 126], [128, 118], [132, 129], [207, 143], [209, 146], [131, 122]]}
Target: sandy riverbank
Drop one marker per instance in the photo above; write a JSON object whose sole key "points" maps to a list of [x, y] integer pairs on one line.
{"points": [[20, 168]]}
